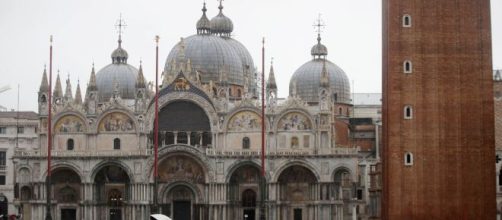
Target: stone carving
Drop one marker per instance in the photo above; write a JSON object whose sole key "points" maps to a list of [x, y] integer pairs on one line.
{"points": [[294, 122], [181, 84], [245, 121], [116, 121], [181, 168], [70, 123]]}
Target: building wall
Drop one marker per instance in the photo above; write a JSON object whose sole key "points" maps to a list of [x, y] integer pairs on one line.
{"points": [[8, 143], [451, 134]]}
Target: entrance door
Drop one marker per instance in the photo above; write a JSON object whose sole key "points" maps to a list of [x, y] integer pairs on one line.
{"points": [[181, 210], [297, 214], [68, 214], [115, 214], [249, 214]]}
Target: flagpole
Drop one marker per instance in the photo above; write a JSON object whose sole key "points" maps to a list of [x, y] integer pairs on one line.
{"points": [[48, 215], [263, 182], [156, 126]]}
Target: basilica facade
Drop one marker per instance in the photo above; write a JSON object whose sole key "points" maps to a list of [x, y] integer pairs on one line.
{"points": [[209, 140]]}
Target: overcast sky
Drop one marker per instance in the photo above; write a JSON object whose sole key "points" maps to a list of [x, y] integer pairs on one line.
{"points": [[84, 32]]}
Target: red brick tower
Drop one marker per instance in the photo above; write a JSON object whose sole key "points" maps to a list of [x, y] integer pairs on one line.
{"points": [[438, 120]]}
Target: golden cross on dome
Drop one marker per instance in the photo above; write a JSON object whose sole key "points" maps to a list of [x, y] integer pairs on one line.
{"points": [[120, 25]]}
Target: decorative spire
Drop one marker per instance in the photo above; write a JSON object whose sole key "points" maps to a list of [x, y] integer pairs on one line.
{"points": [[78, 94], [44, 86], [203, 25], [92, 86], [68, 94], [58, 89], [324, 75], [181, 54], [140, 80], [497, 76], [271, 77]]}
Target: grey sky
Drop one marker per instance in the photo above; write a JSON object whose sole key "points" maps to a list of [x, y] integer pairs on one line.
{"points": [[84, 33]]}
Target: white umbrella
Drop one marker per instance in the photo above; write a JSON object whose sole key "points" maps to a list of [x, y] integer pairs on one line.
{"points": [[159, 217]]}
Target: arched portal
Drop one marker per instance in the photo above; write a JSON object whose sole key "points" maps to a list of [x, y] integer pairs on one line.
{"points": [[111, 191], [182, 179], [66, 188], [243, 192], [297, 189], [185, 121]]}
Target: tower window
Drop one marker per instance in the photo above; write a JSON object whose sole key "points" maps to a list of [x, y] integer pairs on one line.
{"points": [[408, 112], [70, 144], [407, 67], [116, 144], [340, 111], [406, 21], [408, 159], [246, 143]]}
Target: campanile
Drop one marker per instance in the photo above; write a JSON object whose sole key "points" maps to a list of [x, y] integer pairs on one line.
{"points": [[438, 125]]}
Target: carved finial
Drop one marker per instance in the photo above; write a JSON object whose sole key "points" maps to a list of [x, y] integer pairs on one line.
{"points": [[221, 5], [50, 39], [157, 38]]}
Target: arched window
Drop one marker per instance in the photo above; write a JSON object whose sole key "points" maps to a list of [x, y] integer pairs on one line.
{"points": [[340, 111], [169, 138], [70, 144], [408, 159], [407, 67], [406, 21], [408, 112], [239, 94], [246, 143], [116, 144]]}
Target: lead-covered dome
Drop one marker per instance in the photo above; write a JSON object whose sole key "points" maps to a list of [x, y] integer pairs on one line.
{"points": [[118, 72], [307, 79], [211, 56]]}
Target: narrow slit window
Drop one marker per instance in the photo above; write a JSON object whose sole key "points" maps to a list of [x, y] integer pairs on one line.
{"points": [[70, 144], [408, 112], [116, 144], [246, 143], [406, 21], [407, 67], [408, 159]]}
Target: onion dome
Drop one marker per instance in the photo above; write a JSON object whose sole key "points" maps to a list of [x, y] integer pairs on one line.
{"points": [[119, 55], [319, 49], [118, 71], [221, 24], [203, 25], [308, 78], [209, 55]]}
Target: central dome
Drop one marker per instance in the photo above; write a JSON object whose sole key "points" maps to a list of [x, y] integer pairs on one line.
{"points": [[210, 55]]}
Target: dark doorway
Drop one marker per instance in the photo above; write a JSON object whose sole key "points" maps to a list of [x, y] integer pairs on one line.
{"points": [[68, 214], [115, 214], [181, 210], [297, 214], [249, 214], [3, 205]]}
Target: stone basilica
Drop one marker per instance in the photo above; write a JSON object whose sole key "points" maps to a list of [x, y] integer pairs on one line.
{"points": [[209, 140]]}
